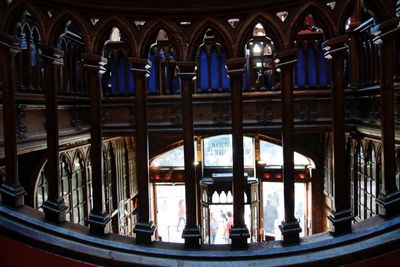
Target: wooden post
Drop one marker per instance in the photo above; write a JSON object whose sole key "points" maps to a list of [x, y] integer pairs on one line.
{"points": [[290, 227], [341, 215], [239, 231], [54, 207], [191, 233], [93, 67], [389, 196], [11, 190], [144, 228]]}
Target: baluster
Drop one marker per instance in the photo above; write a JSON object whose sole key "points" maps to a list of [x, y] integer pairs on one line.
{"points": [[191, 233], [99, 220], [54, 207], [11, 190], [239, 231], [341, 216], [144, 228], [290, 227]]}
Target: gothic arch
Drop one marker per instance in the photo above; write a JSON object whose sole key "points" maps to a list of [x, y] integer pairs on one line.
{"points": [[271, 25], [17, 8], [321, 15], [58, 26], [151, 29], [198, 33], [345, 9], [104, 29], [380, 10]]}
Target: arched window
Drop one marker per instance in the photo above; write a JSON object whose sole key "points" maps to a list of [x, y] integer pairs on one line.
{"points": [[370, 183], [65, 186], [311, 68], [211, 69], [259, 70], [118, 78], [41, 189], [78, 188], [70, 41], [109, 181], [272, 155], [163, 70], [28, 63], [360, 184]]}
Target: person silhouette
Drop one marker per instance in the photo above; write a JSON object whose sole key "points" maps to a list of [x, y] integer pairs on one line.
{"points": [[270, 215], [181, 214]]}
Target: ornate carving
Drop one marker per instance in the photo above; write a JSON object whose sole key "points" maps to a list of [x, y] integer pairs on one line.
{"points": [[351, 112], [176, 114], [374, 115], [307, 111], [131, 117], [221, 113], [75, 121], [106, 115], [22, 128], [264, 112]]}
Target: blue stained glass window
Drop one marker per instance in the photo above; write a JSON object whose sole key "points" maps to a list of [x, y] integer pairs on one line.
{"points": [[245, 78], [312, 72], [224, 72], [152, 79], [131, 81], [121, 74], [24, 44], [203, 71], [33, 54], [323, 79], [301, 75], [113, 76], [214, 70]]}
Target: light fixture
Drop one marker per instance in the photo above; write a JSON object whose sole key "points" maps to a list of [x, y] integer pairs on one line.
{"points": [[278, 70], [277, 61], [378, 41], [327, 48]]}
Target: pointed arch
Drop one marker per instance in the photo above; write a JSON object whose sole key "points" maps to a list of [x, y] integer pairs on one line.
{"points": [[380, 10], [149, 33], [17, 8], [104, 29], [345, 9], [321, 14], [272, 26], [196, 39], [58, 26]]}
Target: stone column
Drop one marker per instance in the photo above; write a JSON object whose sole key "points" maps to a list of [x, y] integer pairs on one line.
{"points": [[11, 190], [54, 207], [144, 228], [93, 67], [389, 196], [191, 233], [239, 231], [290, 227], [341, 215]]}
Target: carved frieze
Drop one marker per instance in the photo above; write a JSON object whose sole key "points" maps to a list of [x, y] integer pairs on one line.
{"points": [[221, 113], [22, 128], [307, 110], [264, 112], [175, 116], [75, 121]]}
